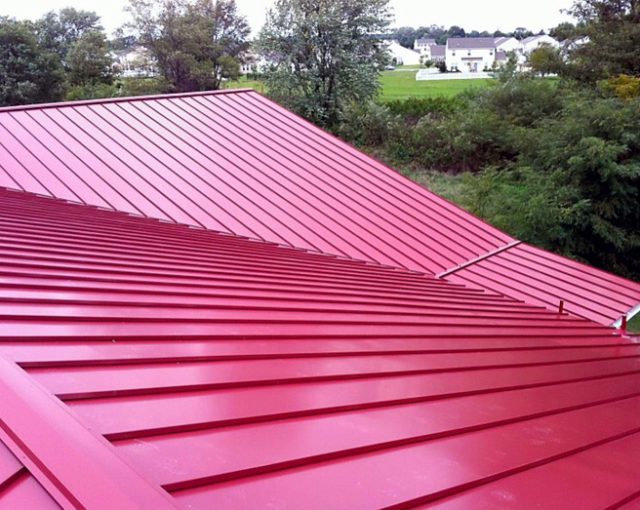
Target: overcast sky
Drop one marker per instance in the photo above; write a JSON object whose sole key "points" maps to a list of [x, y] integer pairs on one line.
{"points": [[470, 14]]}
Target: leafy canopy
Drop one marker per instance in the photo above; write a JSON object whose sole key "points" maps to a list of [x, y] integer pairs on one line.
{"points": [[324, 54], [197, 43], [29, 73], [613, 31]]}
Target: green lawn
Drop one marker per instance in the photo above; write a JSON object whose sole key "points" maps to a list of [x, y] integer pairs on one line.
{"points": [[402, 84], [395, 85], [243, 83], [634, 324]]}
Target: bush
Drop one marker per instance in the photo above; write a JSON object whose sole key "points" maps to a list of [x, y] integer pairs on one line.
{"points": [[413, 108], [367, 124]]}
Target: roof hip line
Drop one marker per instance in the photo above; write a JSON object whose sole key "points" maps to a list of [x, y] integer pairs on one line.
{"points": [[55, 446], [479, 258]]}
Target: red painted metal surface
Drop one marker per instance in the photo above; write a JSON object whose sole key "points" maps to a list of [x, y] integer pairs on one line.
{"points": [[545, 279], [18, 488], [144, 361], [235, 162]]}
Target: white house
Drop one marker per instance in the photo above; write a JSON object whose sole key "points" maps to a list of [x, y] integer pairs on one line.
{"points": [[470, 54], [423, 45], [507, 44], [531, 43], [401, 55], [135, 61]]}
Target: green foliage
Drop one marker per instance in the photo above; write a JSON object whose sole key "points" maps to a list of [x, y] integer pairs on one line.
{"points": [[623, 86], [29, 73], [368, 124], [545, 59], [563, 31], [197, 43], [613, 29], [325, 54], [555, 166], [57, 32], [143, 86], [89, 61], [414, 108], [91, 91]]}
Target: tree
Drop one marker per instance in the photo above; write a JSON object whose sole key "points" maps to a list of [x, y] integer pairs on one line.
{"points": [[456, 31], [563, 31], [89, 61], [197, 43], [405, 36], [613, 31], [28, 72], [324, 54], [545, 59], [57, 32]]}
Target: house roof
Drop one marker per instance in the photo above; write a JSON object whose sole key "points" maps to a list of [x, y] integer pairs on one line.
{"points": [[426, 42], [236, 162], [438, 50], [463, 43], [146, 364]]}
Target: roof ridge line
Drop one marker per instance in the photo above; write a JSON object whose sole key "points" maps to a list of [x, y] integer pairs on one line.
{"points": [[479, 258], [121, 99]]}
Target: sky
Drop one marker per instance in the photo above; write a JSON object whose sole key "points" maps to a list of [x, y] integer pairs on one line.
{"points": [[479, 15]]}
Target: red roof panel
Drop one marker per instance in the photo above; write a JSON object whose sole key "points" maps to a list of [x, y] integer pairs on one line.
{"points": [[149, 364], [236, 162], [542, 278]]}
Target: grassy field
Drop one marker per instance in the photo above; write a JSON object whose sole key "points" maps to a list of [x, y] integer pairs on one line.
{"points": [[399, 84], [402, 84], [244, 83], [634, 324]]}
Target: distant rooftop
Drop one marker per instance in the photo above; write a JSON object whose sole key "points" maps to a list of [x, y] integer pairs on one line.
{"points": [[456, 43]]}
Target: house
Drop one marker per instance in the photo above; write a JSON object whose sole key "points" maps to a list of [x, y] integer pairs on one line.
{"points": [[401, 55], [470, 54], [437, 53], [208, 302], [423, 45], [507, 44], [531, 43], [135, 62]]}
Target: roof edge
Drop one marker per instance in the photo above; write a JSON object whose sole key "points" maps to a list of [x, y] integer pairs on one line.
{"points": [[125, 99]]}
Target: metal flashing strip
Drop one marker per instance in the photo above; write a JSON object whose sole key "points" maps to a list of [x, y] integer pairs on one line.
{"points": [[630, 315], [478, 259], [77, 467]]}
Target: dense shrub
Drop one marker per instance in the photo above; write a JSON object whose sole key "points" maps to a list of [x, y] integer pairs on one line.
{"points": [[413, 108], [554, 165]]}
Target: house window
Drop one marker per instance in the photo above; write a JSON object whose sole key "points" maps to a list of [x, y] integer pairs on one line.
{"points": [[468, 52], [454, 53]]}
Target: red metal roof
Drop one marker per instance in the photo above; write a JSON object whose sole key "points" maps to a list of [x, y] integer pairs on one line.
{"points": [[151, 365], [236, 162], [542, 278]]}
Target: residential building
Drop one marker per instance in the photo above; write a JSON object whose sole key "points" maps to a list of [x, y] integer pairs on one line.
{"points": [[470, 54], [422, 45], [531, 43], [136, 61], [437, 53], [401, 55]]}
